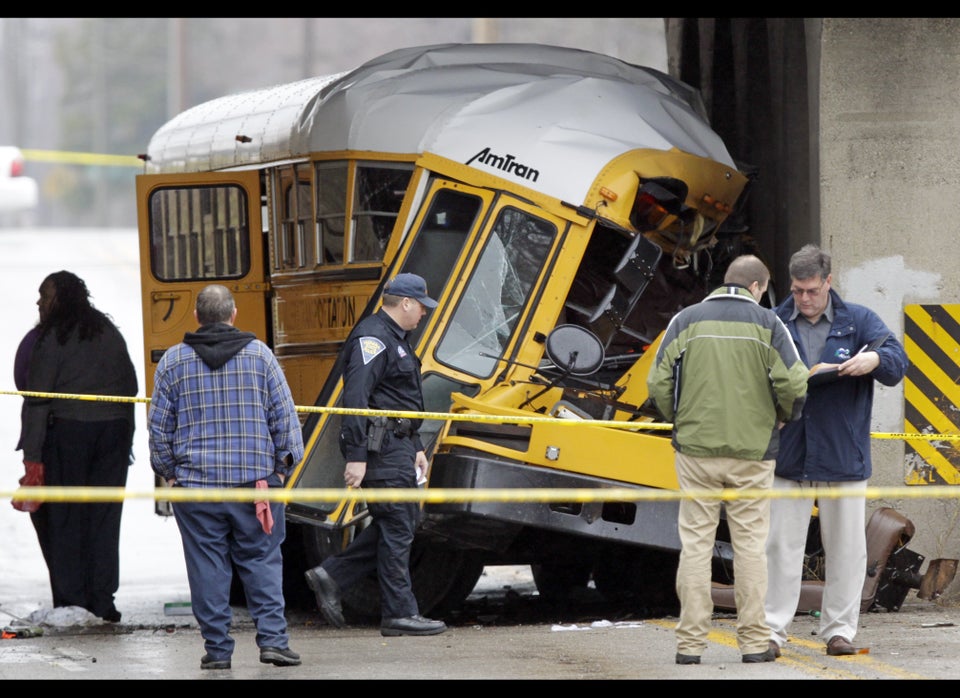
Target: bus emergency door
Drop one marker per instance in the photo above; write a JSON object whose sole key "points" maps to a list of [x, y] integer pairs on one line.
{"points": [[195, 230]]}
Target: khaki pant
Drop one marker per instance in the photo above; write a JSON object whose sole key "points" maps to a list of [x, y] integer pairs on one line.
{"points": [[749, 522], [843, 533]]}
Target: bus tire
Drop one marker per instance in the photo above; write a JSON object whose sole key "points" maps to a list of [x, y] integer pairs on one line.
{"points": [[558, 581], [442, 577], [643, 580]]}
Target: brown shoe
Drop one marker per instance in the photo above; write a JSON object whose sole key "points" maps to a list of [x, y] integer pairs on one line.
{"points": [[839, 646], [775, 649]]}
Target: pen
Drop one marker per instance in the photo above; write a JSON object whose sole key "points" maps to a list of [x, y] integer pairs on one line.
{"points": [[863, 348]]}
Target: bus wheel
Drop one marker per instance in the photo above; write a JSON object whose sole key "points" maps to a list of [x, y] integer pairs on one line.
{"points": [[442, 578], [558, 581], [642, 580]]}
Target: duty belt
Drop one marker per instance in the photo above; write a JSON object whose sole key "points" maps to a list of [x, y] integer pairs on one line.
{"points": [[378, 427]]}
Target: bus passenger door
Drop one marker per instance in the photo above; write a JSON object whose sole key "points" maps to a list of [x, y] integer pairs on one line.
{"points": [[197, 229]]}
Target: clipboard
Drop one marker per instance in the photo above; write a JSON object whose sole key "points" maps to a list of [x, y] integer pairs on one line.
{"points": [[823, 373]]}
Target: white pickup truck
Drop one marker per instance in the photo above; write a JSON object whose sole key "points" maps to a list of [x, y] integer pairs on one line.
{"points": [[18, 193]]}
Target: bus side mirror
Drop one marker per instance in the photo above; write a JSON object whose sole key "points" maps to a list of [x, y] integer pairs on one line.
{"points": [[575, 350]]}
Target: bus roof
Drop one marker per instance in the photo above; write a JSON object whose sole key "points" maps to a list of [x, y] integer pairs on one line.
{"points": [[551, 116]]}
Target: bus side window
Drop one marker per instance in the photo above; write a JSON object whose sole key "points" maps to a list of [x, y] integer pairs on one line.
{"points": [[378, 194], [331, 180], [297, 240]]}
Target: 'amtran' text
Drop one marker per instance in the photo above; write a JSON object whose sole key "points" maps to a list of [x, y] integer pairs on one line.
{"points": [[505, 163]]}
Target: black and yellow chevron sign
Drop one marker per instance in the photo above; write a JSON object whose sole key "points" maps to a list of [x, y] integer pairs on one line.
{"points": [[931, 393]]}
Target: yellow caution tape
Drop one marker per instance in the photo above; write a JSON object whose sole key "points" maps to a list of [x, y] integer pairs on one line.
{"points": [[75, 396], [915, 437], [442, 495], [464, 417], [76, 158], [437, 495]]}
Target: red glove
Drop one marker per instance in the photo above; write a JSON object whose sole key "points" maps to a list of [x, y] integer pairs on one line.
{"points": [[33, 478], [263, 510]]}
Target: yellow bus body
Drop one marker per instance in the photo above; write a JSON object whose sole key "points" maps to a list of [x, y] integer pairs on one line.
{"points": [[549, 196]]}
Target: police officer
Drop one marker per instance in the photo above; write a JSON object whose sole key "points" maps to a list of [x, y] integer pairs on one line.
{"points": [[381, 372]]}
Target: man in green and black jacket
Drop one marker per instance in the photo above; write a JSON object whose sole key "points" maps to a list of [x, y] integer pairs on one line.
{"points": [[728, 375]]}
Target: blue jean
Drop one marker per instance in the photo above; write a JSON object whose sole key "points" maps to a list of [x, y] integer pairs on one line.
{"points": [[216, 534]]}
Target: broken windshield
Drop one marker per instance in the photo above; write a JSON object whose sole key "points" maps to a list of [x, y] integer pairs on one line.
{"points": [[497, 293]]}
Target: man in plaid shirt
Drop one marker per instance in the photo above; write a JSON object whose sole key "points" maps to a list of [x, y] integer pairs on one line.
{"points": [[222, 415]]}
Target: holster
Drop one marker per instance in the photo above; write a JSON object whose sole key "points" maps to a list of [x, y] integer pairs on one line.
{"points": [[376, 430], [379, 426]]}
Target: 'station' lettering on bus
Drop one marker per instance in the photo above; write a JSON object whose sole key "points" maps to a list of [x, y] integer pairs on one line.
{"points": [[506, 163], [322, 311]]}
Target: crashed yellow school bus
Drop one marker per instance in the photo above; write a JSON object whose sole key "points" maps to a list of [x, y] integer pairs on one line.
{"points": [[562, 206]]}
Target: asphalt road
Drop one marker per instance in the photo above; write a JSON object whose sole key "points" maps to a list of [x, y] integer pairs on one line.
{"points": [[505, 632]]}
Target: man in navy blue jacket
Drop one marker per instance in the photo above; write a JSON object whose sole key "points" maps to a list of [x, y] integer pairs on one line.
{"points": [[829, 447], [382, 372]]}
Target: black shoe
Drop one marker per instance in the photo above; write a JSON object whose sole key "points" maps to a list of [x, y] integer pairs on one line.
{"points": [[412, 625], [279, 657], [328, 595], [208, 662], [759, 657], [687, 659], [112, 616]]}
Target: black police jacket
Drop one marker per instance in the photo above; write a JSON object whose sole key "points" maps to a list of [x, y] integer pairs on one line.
{"points": [[381, 372]]}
